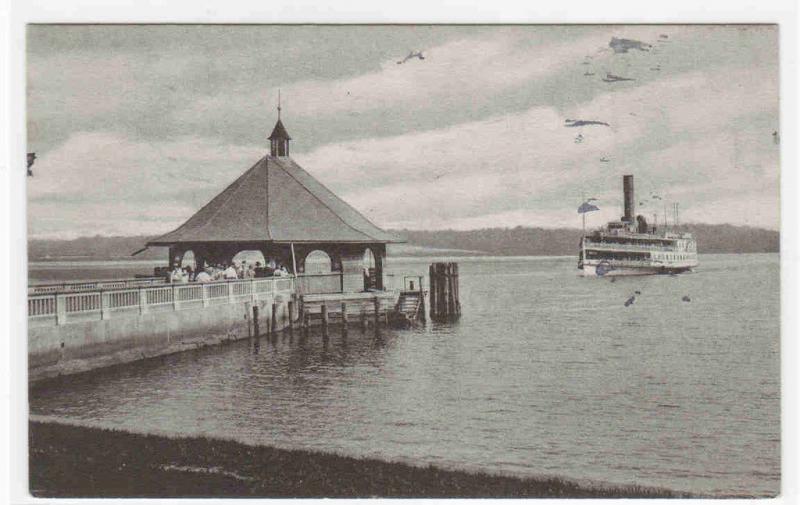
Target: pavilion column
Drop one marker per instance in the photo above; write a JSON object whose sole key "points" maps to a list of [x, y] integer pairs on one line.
{"points": [[267, 251], [380, 256], [175, 255], [230, 252], [200, 256], [300, 253]]}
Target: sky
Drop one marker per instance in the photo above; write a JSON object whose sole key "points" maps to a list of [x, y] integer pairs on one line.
{"points": [[136, 127]]}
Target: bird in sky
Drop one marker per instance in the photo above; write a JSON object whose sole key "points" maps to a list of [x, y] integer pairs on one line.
{"points": [[31, 159], [412, 54], [624, 45], [604, 160], [615, 78], [571, 123], [579, 139]]}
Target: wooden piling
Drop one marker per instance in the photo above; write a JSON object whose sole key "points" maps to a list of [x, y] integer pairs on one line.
{"points": [[363, 318], [421, 313], [291, 317], [344, 318], [377, 306], [274, 322], [324, 320], [256, 331], [444, 302]]}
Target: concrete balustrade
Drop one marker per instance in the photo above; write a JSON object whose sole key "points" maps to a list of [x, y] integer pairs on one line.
{"points": [[62, 308], [74, 330]]}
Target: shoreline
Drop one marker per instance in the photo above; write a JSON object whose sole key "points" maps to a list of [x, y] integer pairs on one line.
{"points": [[75, 461]]}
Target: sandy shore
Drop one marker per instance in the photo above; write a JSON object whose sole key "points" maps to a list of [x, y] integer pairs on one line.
{"points": [[72, 461]]}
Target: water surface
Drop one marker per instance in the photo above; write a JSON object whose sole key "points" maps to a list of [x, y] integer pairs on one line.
{"points": [[546, 373]]}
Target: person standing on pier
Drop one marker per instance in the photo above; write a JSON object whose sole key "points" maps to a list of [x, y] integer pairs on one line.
{"points": [[176, 275], [230, 273], [203, 276]]}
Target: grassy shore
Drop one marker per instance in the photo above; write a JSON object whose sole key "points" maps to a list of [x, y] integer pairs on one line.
{"points": [[72, 461]]}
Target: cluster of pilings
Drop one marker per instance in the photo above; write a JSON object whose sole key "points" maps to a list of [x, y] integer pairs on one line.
{"points": [[444, 301], [272, 324], [375, 317], [326, 318]]}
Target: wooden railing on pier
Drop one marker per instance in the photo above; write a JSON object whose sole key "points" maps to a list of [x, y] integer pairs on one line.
{"points": [[75, 306], [404, 282]]}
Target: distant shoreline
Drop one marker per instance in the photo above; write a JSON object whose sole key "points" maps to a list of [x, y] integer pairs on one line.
{"points": [[520, 241], [93, 261], [76, 461]]}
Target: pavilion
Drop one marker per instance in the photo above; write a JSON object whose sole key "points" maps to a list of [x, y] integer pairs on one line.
{"points": [[282, 211]]}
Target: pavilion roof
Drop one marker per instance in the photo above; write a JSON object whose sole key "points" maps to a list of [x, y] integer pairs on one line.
{"points": [[276, 201]]}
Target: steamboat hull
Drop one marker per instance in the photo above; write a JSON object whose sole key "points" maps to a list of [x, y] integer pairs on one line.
{"points": [[595, 270]]}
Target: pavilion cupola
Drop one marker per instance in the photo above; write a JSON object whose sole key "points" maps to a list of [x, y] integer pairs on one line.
{"points": [[279, 138]]}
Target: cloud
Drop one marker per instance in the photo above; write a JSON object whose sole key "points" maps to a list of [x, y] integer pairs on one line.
{"points": [[498, 170], [462, 71], [135, 140], [106, 183]]}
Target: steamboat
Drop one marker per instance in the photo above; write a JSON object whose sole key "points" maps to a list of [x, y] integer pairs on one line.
{"points": [[632, 247]]}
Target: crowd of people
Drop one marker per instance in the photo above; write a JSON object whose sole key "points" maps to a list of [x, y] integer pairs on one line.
{"points": [[226, 271]]}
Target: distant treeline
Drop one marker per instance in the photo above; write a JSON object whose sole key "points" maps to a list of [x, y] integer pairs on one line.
{"points": [[94, 248], [517, 241], [521, 241]]}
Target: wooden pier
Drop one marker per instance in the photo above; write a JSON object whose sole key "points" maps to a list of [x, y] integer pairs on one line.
{"points": [[343, 308]]}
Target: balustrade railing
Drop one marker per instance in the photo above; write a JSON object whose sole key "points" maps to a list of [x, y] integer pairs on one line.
{"points": [[62, 303], [41, 289], [60, 307]]}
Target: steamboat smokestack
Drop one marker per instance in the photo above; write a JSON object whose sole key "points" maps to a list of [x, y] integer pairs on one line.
{"points": [[627, 190]]}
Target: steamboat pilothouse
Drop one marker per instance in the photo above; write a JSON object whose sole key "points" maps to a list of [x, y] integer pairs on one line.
{"points": [[631, 247]]}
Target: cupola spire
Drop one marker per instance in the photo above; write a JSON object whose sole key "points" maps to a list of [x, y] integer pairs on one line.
{"points": [[279, 138]]}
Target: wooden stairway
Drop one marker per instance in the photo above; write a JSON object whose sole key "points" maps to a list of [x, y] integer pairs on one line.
{"points": [[410, 307]]}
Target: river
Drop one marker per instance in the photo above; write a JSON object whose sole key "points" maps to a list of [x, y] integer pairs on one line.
{"points": [[546, 373]]}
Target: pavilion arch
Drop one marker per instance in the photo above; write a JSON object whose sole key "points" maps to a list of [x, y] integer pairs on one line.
{"points": [[251, 256], [189, 260], [317, 262]]}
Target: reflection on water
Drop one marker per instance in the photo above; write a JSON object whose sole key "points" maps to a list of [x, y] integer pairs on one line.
{"points": [[545, 373]]}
